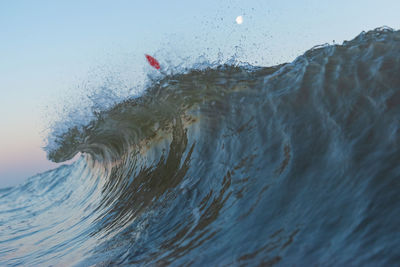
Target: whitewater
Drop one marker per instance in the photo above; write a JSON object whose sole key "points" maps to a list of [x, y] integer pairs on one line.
{"points": [[227, 165]]}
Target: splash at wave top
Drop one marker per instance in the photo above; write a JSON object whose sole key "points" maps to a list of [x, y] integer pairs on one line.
{"points": [[292, 165]]}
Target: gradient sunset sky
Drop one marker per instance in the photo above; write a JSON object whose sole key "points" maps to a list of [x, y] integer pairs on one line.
{"points": [[49, 49]]}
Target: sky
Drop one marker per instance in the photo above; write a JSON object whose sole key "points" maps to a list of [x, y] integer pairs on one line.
{"points": [[54, 52]]}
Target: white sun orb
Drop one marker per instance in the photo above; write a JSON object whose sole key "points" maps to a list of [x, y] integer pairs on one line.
{"points": [[239, 20]]}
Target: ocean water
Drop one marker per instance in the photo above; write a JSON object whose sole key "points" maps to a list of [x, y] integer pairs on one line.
{"points": [[230, 165]]}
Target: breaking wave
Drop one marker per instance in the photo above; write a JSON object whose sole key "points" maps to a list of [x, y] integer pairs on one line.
{"points": [[296, 164]]}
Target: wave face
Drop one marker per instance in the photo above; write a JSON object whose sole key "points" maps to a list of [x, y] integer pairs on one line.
{"points": [[296, 164]]}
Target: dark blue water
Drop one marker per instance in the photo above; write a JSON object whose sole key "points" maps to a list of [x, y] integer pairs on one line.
{"points": [[292, 165]]}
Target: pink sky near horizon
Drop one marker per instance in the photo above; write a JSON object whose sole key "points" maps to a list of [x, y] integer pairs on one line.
{"points": [[18, 165], [21, 154]]}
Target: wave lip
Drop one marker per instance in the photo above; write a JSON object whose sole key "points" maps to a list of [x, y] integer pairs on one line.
{"points": [[230, 165], [139, 119]]}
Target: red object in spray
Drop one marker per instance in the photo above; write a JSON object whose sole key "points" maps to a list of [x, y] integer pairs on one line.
{"points": [[153, 62]]}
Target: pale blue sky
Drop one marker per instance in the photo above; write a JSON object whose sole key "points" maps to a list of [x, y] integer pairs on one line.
{"points": [[48, 49]]}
